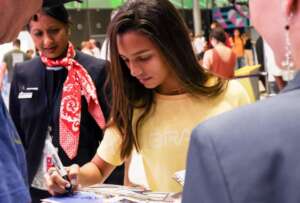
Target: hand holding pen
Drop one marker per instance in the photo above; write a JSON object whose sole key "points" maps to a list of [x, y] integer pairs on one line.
{"points": [[60, 179]]}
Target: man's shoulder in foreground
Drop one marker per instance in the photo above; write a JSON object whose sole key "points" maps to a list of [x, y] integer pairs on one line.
{"points": [[247, 155]]}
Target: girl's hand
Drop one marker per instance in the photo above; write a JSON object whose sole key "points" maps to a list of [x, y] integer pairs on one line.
{"points": [[57, 185]]}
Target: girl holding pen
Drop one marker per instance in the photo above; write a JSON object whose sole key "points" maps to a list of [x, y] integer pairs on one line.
{"points": [[159, 94]]}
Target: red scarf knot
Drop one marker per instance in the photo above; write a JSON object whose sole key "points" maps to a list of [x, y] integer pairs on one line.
{"points": [[78, 83]]}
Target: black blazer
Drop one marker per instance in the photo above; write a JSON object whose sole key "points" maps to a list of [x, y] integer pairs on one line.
{"points": [[31, 115]]}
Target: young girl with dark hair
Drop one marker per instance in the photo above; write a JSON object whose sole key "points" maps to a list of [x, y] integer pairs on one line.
{"points": [[159, 93]]}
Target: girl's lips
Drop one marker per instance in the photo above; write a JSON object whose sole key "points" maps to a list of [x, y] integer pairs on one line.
{"points": [[144, 80]]}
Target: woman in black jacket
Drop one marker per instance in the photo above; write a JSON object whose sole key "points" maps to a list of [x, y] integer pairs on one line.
{"points": [[60, 96]]}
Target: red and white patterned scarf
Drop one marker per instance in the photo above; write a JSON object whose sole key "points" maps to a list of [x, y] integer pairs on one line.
{"points": [[77, 83]]}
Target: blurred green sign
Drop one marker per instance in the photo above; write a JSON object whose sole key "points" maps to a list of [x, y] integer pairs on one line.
{"points": [[95, 4], [111, 4]]}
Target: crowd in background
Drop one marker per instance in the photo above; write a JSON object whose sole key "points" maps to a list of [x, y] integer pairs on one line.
{"points": [[247, 50]]}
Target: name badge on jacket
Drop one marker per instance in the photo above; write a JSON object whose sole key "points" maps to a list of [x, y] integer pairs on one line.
{"points": [[25, 95]]}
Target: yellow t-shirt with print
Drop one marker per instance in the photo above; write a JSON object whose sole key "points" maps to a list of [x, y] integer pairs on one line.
{"points": [[165, 134]]}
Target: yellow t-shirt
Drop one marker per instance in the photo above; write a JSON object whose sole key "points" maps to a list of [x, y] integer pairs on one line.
{"points": [[165, 134]]}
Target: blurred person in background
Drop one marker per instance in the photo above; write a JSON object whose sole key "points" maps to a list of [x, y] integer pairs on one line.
{"points": [[94, 48], [248, 49], [30, 53], [10, 59], [199, 44], [86, 47], [237, 45], [216, 24], [220, 60]]}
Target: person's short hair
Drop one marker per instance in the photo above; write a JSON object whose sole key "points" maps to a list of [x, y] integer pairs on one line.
{"points": [[216, 24], [200, 55], [218, 34], [17, 43], [29, 51]]}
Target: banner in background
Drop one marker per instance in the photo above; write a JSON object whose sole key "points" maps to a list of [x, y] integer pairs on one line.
{"points": [[232, 17]]}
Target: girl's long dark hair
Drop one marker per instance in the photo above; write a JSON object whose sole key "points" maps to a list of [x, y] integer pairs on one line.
{"points": [[162, 24]]}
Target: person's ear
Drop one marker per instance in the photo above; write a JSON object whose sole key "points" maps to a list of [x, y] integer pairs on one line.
{"points": [[290, 7]]}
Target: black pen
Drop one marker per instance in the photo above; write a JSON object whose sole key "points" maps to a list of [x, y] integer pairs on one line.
{"points": [[58, 165]]}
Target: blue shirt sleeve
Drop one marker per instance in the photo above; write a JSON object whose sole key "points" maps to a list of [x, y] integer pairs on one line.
{"points": [[13, 170]]}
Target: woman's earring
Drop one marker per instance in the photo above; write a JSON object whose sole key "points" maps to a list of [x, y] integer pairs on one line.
{"points": [[288, 71]]}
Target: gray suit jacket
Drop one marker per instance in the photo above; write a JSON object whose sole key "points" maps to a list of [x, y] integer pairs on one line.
{"points": [[249, 155]]}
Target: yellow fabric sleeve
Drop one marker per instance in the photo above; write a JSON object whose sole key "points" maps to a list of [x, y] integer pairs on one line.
{"points": [[110, 147]]}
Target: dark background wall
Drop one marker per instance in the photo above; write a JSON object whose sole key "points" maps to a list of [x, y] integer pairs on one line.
{"points": [[92, 23], [86, 24]]}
